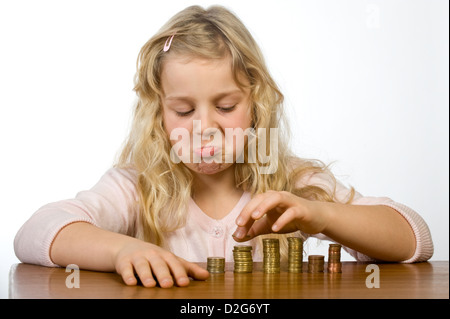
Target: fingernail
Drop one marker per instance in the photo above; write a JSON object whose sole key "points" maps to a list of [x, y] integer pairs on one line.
{"points": [[255, 214], [183, 281], [240, 221], [239, 233], [147, 282], [166, 282], [275, 227]]}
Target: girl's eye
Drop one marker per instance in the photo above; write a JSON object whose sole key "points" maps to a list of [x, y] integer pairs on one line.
{"points": [[226, 108], [181, 114]]}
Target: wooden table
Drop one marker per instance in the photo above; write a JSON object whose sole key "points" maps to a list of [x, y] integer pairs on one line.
{"points": [[427, 280]]}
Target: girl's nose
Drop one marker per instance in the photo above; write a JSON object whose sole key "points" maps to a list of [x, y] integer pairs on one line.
{"points": [[207, 119]]}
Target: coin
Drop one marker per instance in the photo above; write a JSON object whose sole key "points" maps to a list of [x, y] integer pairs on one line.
{"points": [[295, 254], [243, 261], [334, 258], [215, 264], [316, 263], [271, 255]]}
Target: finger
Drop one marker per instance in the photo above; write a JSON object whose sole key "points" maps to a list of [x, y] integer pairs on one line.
{"points": [[161, 271], [142, 268], [178, 271], [290, 215], [245, 219], [195, 271], [261, 207], [249, 208], [281, 200], [241, 233], [127, 273], [260, 227], [269, 201]]}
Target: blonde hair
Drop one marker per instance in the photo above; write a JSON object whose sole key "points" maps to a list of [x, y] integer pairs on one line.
{"points": [[165, 187]]}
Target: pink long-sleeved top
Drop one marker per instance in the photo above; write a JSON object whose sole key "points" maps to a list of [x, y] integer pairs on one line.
{"points": [[110, 205]]}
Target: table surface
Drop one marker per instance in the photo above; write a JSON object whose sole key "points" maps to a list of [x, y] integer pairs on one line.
{"points": [[420, 280]]}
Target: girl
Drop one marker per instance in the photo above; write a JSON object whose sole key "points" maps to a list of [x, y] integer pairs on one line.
{"points": [[158, 211]]}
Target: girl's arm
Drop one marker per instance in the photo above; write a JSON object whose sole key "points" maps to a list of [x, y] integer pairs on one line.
{"points": [[376, 230], [90, 247], [96, 231], [109, 204]]}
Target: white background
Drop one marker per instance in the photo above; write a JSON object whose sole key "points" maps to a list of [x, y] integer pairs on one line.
{"points": [[366, 86]]}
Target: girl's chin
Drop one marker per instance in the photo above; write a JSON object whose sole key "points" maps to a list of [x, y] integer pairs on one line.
{"points": [[208, 168]]}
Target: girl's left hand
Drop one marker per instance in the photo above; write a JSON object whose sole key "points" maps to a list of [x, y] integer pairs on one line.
{"points": [[280, 212]]}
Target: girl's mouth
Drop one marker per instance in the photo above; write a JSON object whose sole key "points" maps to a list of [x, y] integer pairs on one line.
{"points": [[206, 151]]}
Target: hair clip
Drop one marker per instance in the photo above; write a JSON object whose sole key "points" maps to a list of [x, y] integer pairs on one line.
{"points": [[168, 43]]}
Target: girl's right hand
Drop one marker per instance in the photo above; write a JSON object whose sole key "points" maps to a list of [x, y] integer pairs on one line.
{"points": [[151, 264]]}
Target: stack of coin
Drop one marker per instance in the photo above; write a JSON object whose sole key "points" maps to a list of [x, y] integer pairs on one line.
{"points": [[271, 252], [215, 265], [334, 258], [295, 254], [315, 263], [243, 261]]}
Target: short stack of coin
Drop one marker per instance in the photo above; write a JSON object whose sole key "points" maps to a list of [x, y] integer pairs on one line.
{"points": [[271, 253], [215, 265], [316, 263], [295, 254], [334, 258], [243, 262]]}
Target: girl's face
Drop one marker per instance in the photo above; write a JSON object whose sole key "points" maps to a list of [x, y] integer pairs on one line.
{"points": [[200, 102]]}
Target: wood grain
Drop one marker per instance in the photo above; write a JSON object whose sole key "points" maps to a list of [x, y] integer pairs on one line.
{"points": [[421, 280]]}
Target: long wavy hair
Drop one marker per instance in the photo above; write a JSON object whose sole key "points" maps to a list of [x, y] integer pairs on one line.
{"points": [[165, 187]]}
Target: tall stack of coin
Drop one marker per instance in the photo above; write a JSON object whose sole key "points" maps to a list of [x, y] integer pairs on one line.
{"points": [[295, 254], [243, 261], [215, 265], [316, 263], [271, 252], [334, 258]]}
